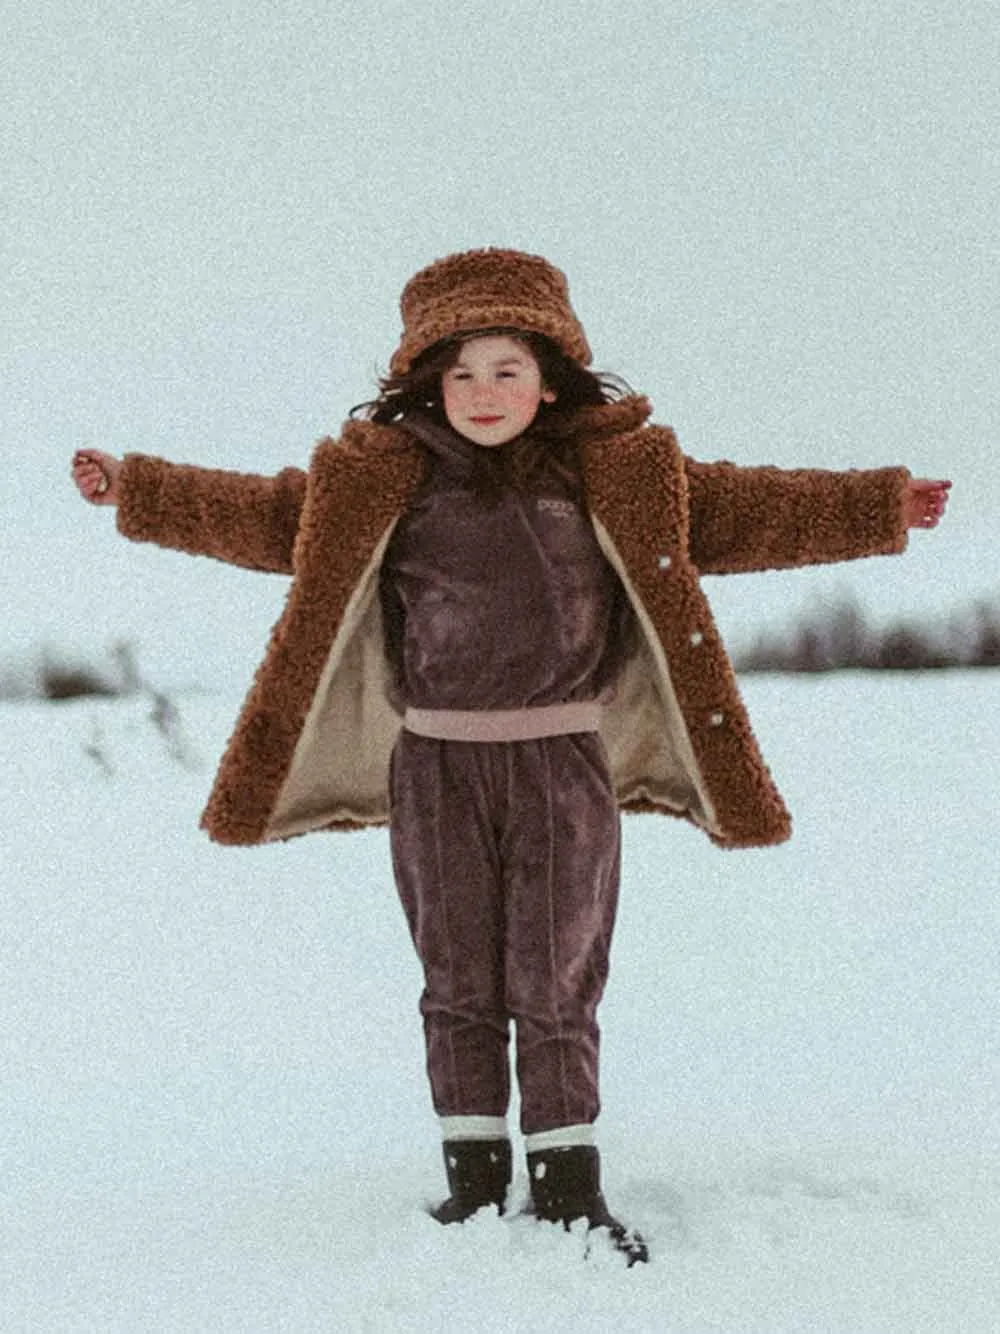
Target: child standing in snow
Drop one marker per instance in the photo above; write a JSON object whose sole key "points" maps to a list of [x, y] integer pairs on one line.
{"points": [[495, 640]]}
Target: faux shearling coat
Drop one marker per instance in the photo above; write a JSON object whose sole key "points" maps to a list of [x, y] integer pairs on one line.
{"points": [[311, 747]]}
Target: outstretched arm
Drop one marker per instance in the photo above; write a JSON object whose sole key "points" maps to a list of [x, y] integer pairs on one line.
{"points": [[240, 518], [768, 518]]}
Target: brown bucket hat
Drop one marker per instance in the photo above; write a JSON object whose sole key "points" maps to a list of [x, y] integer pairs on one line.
{"points": [[485, 289]]}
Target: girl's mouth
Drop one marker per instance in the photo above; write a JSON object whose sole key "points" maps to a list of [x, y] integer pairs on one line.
{"points": [[485, 421]]}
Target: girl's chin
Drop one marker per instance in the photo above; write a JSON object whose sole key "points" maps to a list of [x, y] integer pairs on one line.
{"points": [[486, 444]]}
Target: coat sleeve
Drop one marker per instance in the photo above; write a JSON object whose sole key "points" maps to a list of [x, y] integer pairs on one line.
{"points": [[240, 518], [767, 518]]}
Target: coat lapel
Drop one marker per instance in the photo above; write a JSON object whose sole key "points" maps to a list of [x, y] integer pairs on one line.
{"points": [[637, 489]]}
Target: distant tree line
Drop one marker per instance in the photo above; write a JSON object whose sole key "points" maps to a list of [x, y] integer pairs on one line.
{"points": [[842, 639], [838, 638]]}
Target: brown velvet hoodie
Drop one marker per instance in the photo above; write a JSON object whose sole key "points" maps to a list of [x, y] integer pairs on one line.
{"points": [[312, 744]]}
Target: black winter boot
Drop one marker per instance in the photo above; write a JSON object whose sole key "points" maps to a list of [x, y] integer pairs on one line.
{"points": [[479, 1173], [566, 1185]]}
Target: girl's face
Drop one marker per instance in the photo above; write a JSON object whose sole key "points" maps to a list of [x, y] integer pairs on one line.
{"points": [[492, 392]]}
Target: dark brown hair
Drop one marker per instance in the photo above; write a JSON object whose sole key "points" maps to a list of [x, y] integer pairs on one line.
{"points": [[546, 451]]}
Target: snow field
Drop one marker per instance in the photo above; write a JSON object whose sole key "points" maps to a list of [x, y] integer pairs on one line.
{"points": [[214, 1116]]}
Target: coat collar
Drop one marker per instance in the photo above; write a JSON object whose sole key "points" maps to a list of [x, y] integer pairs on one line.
{"points": [[604, 419], [598, 422]]}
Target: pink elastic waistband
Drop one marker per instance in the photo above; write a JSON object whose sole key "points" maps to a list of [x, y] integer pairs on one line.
{"points": [[504, 724]]}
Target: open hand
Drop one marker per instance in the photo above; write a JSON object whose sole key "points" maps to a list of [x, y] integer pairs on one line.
{"points": [[96, 476], [925, 502]]}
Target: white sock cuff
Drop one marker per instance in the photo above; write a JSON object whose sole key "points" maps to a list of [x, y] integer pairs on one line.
{"points": [[473, 1127], [565, 1137]]}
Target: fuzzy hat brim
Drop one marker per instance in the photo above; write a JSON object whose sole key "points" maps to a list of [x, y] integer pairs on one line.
{"points": [[483, 289]]}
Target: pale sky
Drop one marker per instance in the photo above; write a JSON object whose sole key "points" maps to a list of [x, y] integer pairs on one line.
{"points": [[778, 220]]}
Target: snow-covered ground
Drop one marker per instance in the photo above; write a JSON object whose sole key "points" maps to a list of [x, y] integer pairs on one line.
{"points": [[213, 1111]]}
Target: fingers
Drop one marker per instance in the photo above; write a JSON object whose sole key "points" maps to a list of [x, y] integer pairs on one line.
{"points": [[928, 500], [91, 475], [937, 499]]}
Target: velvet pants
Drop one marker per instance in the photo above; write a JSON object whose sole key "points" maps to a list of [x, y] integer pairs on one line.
{"points": [[507, 860]]}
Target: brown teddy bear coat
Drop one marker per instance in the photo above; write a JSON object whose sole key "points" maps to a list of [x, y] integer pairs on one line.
{"points": [[312, 744]]}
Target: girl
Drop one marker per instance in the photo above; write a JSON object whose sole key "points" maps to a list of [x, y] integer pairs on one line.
{"points": [[495, 640]]}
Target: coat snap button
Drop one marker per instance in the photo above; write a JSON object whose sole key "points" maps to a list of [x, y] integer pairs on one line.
{"points": [[716, 719], [696, 638], [664, 562]]}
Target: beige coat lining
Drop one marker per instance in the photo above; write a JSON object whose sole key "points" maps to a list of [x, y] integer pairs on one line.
{"points": [[331, 777], [644, 728]]}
